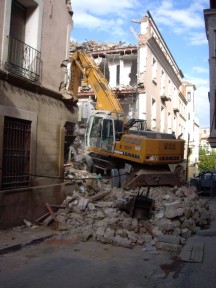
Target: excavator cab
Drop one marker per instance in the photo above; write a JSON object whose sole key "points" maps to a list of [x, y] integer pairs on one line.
{"points": [[103, 131]]}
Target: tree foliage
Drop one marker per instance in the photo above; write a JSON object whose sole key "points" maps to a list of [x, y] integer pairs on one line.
{"points": [[207, 160]]}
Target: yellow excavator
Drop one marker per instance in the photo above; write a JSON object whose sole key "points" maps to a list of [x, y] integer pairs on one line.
{"points": [[134, 156]]}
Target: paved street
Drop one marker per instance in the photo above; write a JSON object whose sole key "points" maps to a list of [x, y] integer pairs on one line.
{"points": [[56, 263]]}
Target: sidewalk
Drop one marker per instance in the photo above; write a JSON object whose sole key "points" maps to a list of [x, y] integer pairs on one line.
{"points": [[19, 237]]}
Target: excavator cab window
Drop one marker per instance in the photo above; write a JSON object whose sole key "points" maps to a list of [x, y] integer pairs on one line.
{"points": [[96, 127], [95, 132], [119, 125], [107, 135]]}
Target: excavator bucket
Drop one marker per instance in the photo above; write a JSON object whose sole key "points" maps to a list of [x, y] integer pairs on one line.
{"points": [[148, 177], [140, 206]]}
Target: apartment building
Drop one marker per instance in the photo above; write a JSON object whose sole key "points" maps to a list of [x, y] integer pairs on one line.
{"points": [[204, 134], [35, 115], [192, 129], [210, 26]]}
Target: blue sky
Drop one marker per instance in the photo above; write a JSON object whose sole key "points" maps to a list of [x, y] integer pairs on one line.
{"points": [[181, 24]]}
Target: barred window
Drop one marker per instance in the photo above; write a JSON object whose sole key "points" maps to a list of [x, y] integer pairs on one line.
{"points": [[16, 153]]}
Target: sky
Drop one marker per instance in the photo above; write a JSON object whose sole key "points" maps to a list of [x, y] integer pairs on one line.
{"points": [[181, 24]]}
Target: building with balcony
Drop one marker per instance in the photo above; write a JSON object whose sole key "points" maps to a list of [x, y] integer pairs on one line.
{"points": [[35, 115], [210, 26]]}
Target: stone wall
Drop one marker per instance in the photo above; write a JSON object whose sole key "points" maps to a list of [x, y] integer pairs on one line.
{"points": [[48, 116], [29, 203]]}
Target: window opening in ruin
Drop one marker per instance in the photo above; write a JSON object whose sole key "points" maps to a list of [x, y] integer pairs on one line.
{"points": [[16, 153], [118, 75], [105, 68], [133, 73]]}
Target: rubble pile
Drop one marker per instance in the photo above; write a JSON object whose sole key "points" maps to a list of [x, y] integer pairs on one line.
{"points": [[93, 45], [92, 212]]}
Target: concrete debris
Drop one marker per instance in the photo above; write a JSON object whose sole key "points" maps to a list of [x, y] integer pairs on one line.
{"points": [[27, 223], [94, 214], [93, 45]]}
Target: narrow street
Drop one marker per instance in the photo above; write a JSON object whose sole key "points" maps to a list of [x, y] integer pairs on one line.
{"points": [[55, 263]]}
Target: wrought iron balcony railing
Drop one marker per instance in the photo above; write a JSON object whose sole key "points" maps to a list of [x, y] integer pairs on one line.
{"points": [[23, 60]]}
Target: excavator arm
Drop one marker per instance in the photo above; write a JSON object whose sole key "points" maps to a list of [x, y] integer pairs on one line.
{"points": [[82, 63]]}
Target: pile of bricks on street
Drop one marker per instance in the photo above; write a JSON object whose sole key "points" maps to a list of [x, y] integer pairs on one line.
{"points": [[91, 212]]}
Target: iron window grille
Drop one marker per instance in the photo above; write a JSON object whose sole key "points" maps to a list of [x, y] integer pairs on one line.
{"points": [[16, 153]]}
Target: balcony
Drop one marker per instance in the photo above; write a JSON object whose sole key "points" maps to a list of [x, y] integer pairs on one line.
{"points": [[164, 98], [176, 110], [23, 60]]}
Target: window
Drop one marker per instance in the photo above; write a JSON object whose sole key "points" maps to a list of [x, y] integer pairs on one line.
{"points": [[18, 21], [153, 113], [169, 89], [189, 96], [162, 88], [16, 153], [107, 135], [117, 74], [107, 131], [169, 121], [162, 128], [96, 127], [154, 69]]}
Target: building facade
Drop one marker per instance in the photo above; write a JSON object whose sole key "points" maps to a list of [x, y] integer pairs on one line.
{"points": [[35, 115], [210, 25], [192, 130], [204, 134]]}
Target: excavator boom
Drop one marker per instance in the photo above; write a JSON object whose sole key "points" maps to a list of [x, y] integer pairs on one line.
{"points": [[81, 62]]}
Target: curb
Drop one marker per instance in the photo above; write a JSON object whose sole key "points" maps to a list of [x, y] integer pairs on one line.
{"points": [[17, 247]]}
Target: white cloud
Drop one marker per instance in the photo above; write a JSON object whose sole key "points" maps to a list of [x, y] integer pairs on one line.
{"points": [[109, 16], [188, 21], [90, 22], [197, 38], [109, 7], [186, 18], [200, 69]]}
